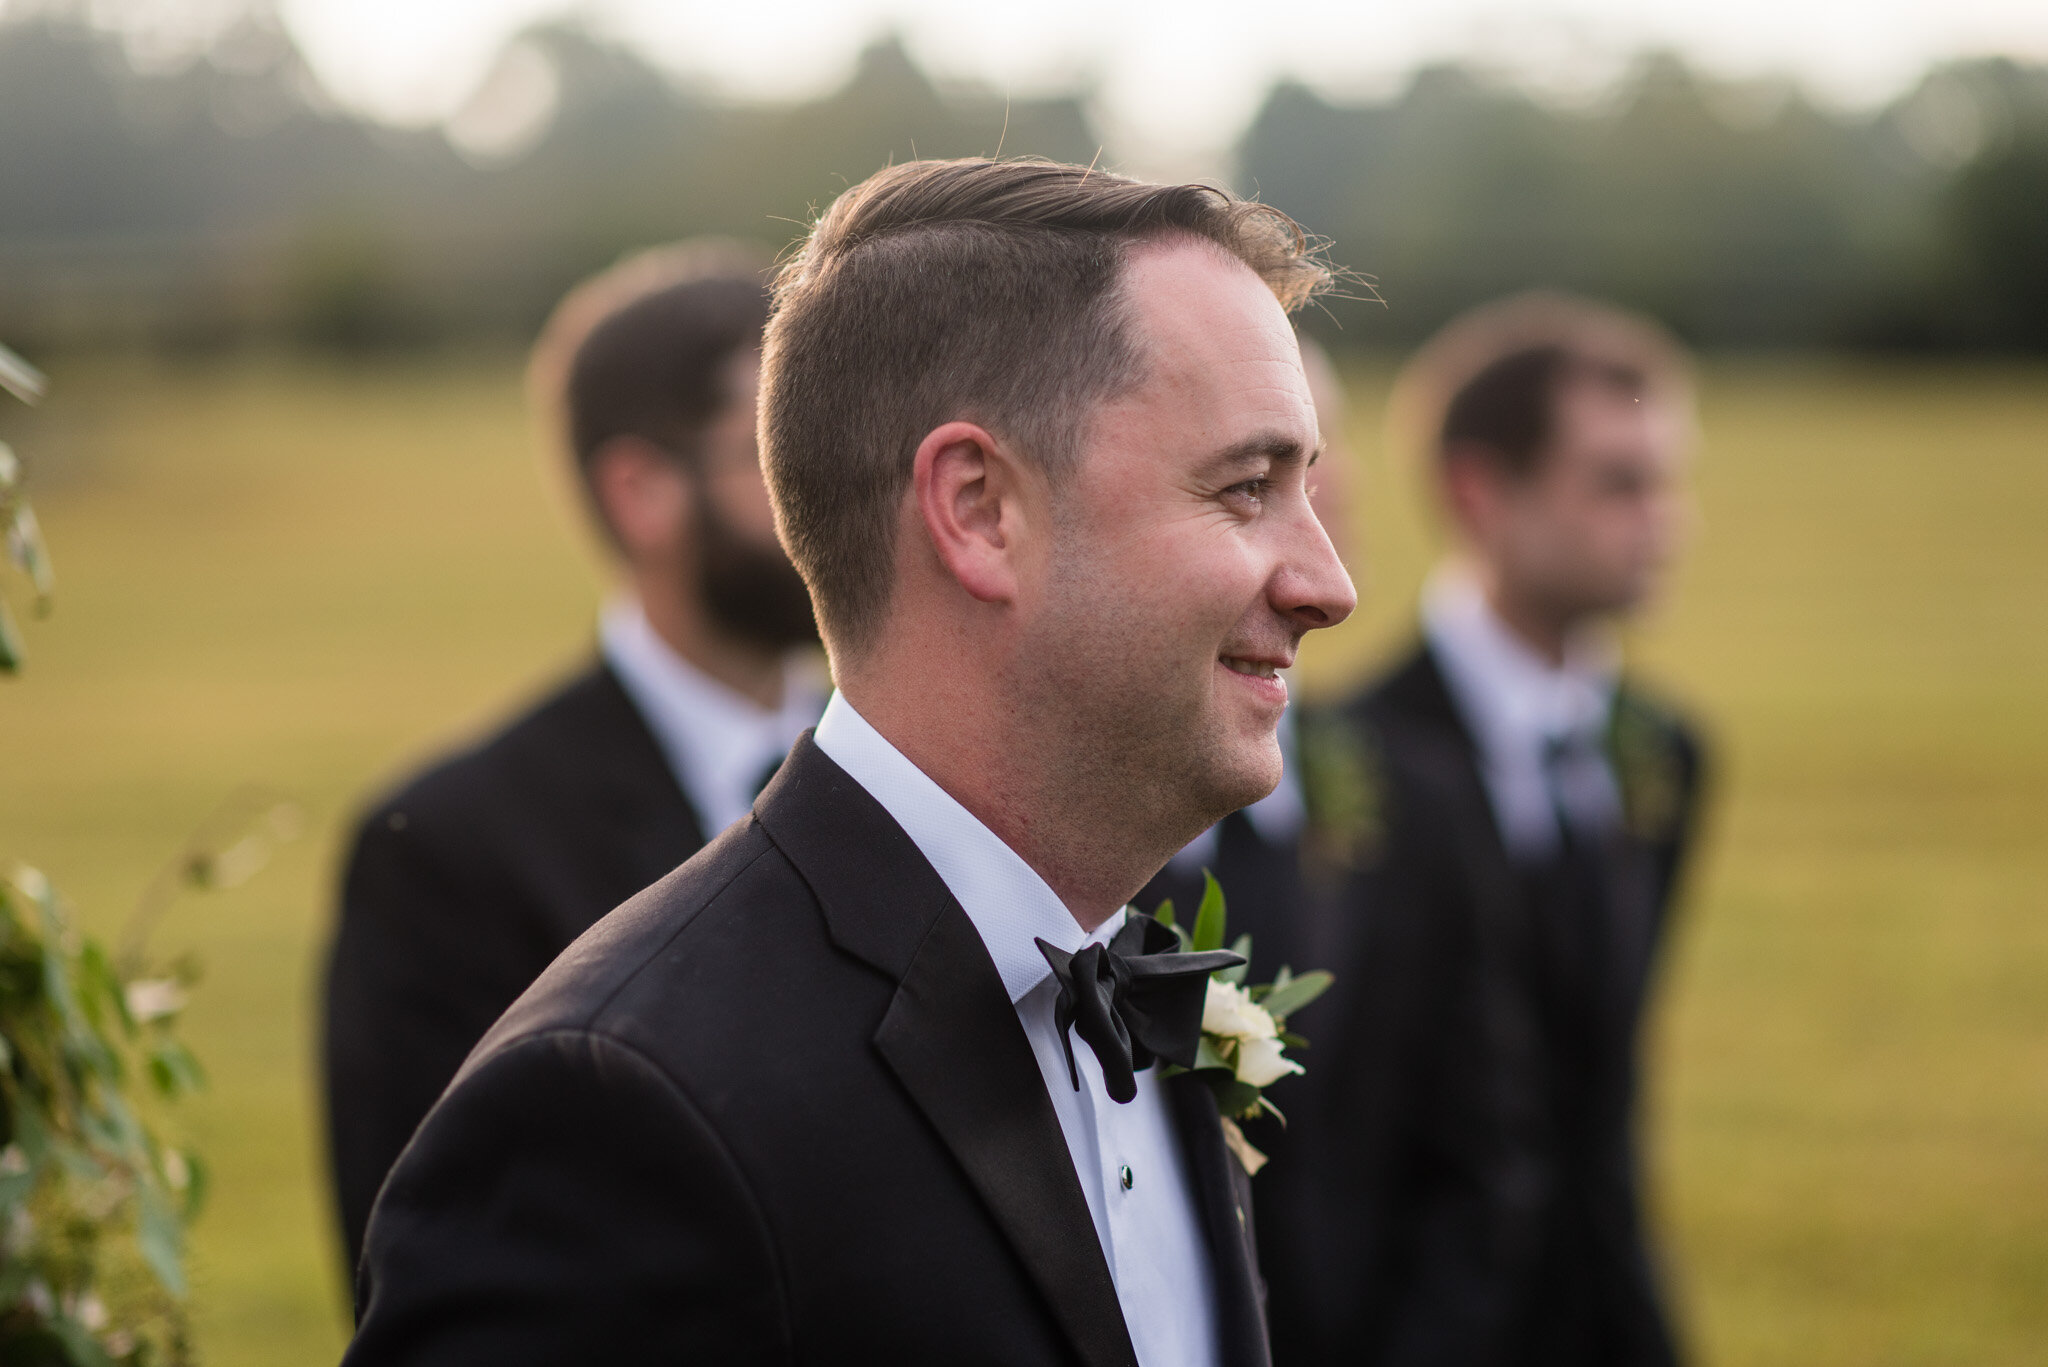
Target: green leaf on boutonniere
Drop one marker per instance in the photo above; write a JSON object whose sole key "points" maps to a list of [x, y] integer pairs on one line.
{"points": [[1208, 932], [1234, 1097]]}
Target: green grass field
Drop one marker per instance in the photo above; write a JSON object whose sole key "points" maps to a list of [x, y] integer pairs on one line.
{"points": [[308, 578]]}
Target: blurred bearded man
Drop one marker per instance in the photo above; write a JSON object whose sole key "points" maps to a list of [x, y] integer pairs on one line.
{"points": [[1466, 1165], [1038, 439], [468, 880]]}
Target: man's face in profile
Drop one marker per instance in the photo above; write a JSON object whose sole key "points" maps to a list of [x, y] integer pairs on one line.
{"points": [[1187, 563], [748, 585], [1590, 530]]}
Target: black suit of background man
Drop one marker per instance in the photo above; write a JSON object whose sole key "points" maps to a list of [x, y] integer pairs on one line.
{"points": [[1497, 828], [462, 887], [1467, 1120], [468, 880], [785, 1085]]}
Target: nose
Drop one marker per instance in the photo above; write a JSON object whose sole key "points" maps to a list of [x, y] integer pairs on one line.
{"points": [[1312, 588]]}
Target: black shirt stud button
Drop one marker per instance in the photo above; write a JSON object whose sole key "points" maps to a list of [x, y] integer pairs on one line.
{"points": [[1124, 1175]]}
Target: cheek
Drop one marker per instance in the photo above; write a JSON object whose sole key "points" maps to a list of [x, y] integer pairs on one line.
{"points": [[1152, 600]]}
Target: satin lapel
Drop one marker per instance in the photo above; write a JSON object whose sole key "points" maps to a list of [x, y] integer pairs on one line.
{"points": [[951, 1035], [953, 1039], [1223, 1191]]}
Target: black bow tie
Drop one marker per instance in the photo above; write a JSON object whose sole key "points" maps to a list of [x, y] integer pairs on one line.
{"points": [[1135, 999]]}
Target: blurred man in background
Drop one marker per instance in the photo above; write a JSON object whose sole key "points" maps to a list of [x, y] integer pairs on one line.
{"points": [[1507, 814], [472, 877]]}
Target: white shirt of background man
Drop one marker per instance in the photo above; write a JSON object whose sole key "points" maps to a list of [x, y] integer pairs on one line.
{"points": [[718, 743], [1517, 706], [1150, 1227]]}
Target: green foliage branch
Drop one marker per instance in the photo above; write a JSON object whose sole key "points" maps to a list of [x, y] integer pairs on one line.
{"points": [[94, 1200]]}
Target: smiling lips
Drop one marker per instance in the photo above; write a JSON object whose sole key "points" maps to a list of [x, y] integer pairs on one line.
{"points": [[1254, 669]]}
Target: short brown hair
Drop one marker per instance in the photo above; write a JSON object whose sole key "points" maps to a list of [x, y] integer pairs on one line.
{"points": [[640, 350], [1489, 383], [977, 290]]}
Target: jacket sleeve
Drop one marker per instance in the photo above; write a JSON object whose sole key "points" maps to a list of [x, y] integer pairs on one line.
{"points": [[566, 1202], [424, 960]]}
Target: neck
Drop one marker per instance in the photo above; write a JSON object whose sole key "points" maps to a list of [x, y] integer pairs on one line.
{"points": [[1532, 622], [753, 671], [992, 761]]}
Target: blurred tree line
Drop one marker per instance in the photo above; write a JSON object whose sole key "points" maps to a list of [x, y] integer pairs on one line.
{"points": [[227, 198]]}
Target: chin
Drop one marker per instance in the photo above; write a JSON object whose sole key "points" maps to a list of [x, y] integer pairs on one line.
{"points": [[1244, 773]]}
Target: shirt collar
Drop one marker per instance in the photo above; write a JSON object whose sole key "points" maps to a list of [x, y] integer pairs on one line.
{"points": [[1511, 694], [1010, 905], [718, 742]]}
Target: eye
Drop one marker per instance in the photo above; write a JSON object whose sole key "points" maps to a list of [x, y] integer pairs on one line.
{"points": [[1249, 493]]}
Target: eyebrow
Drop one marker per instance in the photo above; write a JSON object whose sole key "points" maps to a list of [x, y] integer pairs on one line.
{"points": [[1273, 446]]}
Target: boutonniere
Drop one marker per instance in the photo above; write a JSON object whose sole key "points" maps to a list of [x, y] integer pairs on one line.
{"points": [[1344, 787], [1646, 768], [1244, 1029]]}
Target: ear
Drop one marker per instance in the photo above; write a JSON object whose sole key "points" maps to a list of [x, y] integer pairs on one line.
{"points": [[970, 493], [642, 494], [1471, 483]]}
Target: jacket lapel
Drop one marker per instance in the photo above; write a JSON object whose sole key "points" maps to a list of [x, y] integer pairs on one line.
{"points": [[642, 799], [1453, 756], [1223, 1191], [953, 1039], [951, 1036]]}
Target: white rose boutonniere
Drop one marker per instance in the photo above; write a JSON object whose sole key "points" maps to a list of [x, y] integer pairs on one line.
{"points": [[1244, 1029]]}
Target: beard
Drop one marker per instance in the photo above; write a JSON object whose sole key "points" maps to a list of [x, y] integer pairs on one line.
{"points": [[750, 590]]}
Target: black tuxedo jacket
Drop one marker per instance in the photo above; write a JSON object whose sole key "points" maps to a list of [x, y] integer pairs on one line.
{"points": [[461, 887], [775, 1109], [1454, 1203]]}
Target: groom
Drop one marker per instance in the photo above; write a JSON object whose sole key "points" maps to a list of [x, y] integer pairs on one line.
{"points": [[1038, 440]]}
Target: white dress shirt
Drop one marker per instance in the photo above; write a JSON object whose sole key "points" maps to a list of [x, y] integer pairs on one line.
{"points": [[718, 743], [1520, 708], [1128, 1156], [1278, 816]]}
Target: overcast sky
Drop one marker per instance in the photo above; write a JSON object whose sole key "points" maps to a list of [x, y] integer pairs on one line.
{"points": [[1172, 75]]}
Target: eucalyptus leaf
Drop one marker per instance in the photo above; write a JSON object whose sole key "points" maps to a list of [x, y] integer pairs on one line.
{"points": [[1284, 1000], [198, 1181], [175, 1070], [162, 1238], [11, 651], [26, 547], [83, 1349], [21, 379]]}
